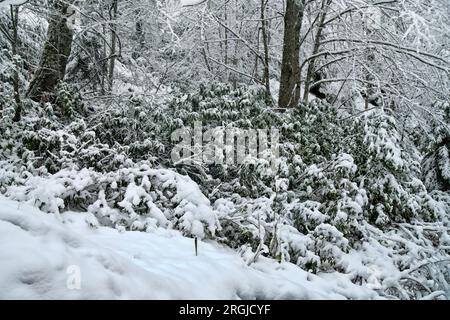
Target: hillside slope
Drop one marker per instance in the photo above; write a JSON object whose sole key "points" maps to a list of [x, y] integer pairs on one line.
{"points": [[39, 253]]}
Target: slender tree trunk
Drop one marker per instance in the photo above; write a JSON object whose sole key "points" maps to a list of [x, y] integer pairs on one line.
{"points": [[289, 95], [369, 90], [234, 59], [104, 63], [265, 38], [225, 61], [112, 61], [317, 42], [139, 34], [255, 67], [15, 23], [205, 48], [55, 55]]}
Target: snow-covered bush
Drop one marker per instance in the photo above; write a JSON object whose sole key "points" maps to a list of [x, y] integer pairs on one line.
{"points": [[437, 160], [339, 182], [136, 198]]}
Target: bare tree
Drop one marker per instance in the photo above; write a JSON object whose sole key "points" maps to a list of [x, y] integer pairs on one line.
{"points": [[14, 42], [265, 39], [112, 62], [56, 52], [289, 95], [317, 41]]}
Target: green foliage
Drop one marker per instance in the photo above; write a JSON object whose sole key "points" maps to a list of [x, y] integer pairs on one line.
{"points": [[337, 178]]}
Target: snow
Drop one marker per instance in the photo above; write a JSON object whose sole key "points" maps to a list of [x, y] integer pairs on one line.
{"points": [[73, 18], [193, 210], [40, 254], [345, 161], [444, 162], [275, 90], [187, 3], [11, 2]]}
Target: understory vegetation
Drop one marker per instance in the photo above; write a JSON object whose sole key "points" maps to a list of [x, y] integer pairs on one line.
{"points": [[343, 184]]}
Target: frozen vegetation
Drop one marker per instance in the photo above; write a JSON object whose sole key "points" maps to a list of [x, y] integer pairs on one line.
{"points": [[96, 201]]}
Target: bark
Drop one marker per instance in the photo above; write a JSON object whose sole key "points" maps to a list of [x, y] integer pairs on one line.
{"points": [[55, 55], [317, 42], [112, 61], [265, 38], [225, 61], [234, 45], [289, 95], [139, 35], [15, 23], [369, 90]]}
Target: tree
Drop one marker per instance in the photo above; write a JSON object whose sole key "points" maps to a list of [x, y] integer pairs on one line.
{"points": [[12, 35], [15, 23], [381, 53], [290, 69], [56, 52], [265, 39], [112, 61], [317, 41]]}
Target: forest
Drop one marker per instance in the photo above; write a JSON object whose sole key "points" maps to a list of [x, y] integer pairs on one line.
{"points": [[265, 149]]}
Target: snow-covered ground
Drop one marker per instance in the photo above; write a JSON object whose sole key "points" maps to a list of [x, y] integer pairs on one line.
{"points": [[46, 257]]}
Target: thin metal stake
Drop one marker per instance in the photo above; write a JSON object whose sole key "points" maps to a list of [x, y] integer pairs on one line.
{"points": [[196, 246]]}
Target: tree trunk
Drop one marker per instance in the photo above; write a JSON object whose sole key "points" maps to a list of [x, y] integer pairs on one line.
{"points": [[139, 35], [225, 60], [266, 51], [317, 42], [289, 95], [233, 77], [55, 55], [369, 89], [112, 61], [15, 23]]}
